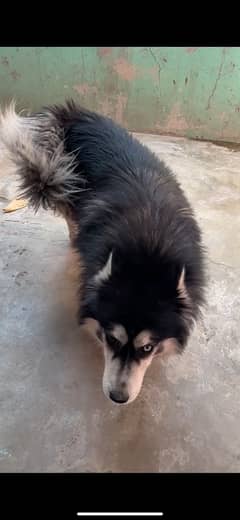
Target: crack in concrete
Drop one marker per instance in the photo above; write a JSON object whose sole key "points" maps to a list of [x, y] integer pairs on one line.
{"points": [[227, 266]]}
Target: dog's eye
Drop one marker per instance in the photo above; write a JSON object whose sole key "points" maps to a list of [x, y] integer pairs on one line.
{"points": [[112, 341], [147, 349]]}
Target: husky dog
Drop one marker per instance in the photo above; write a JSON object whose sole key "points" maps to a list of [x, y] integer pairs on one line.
{"points": [[130, 222]]}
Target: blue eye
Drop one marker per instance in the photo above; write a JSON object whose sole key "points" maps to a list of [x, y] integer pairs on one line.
{"points": [[147, 348]]}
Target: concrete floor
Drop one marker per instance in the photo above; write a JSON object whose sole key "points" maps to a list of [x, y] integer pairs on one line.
{"points": [[53, 414]]}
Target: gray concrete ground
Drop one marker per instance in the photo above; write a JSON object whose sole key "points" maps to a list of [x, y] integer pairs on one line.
{"points": [[53, 414]]}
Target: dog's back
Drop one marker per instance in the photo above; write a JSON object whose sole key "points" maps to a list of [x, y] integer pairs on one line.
{"points": [[79, 162], [139, 242]]}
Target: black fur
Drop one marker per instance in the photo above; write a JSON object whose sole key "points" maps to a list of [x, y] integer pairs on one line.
{"points": [[124, 200], [136, 208]]}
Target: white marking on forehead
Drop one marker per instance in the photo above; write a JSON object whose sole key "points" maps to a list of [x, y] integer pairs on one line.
{"points": [[142, 339], [119, 332]]}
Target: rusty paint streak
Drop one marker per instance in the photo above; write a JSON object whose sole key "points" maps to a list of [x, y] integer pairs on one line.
{"points": [[104, 51], [105, 107], [120, 107], [124, 69], [84, 89], [191, 49], [153, 71], [216, 80], [176, 121]]}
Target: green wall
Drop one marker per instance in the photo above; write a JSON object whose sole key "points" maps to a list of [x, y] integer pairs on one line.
{"points": [[184, 91]]}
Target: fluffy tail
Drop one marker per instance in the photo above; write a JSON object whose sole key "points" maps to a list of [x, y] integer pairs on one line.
{"points": [[34, 148]]}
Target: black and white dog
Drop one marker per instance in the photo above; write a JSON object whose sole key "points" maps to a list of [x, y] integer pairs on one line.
{"points": [[130, 222]]}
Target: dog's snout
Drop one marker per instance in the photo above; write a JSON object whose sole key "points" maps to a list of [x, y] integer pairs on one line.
{"points": [[119, 396]]}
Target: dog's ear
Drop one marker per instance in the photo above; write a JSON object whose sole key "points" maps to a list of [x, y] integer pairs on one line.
{"points": [[113, 266], [105, 272], [181, 286]]}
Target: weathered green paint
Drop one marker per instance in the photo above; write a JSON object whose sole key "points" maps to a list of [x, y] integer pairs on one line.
{"points": [[192, 92]]}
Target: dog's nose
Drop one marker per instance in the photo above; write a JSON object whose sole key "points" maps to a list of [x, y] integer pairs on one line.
{"points": [[119, 396]]}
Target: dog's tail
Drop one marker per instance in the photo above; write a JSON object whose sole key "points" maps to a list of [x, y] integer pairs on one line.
{"points": [[33, 147]]}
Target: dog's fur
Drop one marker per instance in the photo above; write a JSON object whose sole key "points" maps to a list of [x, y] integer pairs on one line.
{"points": [[133, 227]]}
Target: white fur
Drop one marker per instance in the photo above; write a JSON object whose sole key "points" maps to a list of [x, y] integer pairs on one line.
{"points": [[131, 378], [31, 146], [105, 272], [119, 332], [181, 282]]}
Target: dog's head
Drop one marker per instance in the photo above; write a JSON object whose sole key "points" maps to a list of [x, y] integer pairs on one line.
{"points": [[143, 309]]}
